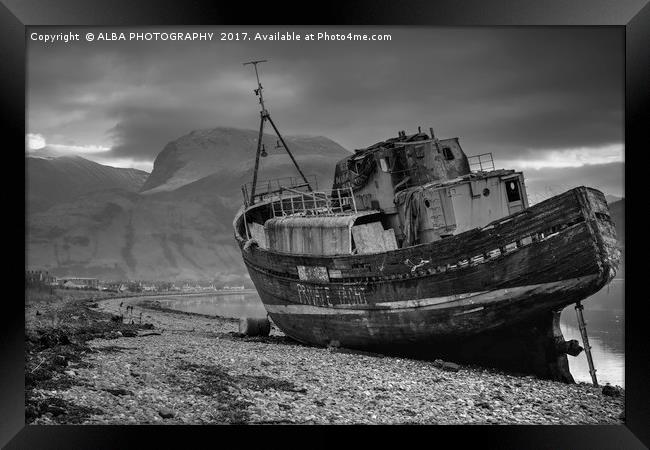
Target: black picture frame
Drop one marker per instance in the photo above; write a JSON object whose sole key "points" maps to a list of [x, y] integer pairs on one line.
{"points": [[633, 15]]}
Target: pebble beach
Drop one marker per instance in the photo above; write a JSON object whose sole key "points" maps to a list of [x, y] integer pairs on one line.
{"points": [[185, 368]]}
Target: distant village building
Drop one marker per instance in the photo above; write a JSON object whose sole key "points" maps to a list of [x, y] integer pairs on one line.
{"points": [[79, 283], [33, 277], [187, 287], [134, 286], [233, 288], [149, 288], [114, 287]]}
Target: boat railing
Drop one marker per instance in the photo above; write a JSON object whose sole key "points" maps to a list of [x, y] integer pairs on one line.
{"points": [[291, 201], [481, 163], [268, 188]]}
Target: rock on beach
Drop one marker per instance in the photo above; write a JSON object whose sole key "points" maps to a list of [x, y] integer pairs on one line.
{"points": [[200, 370]]}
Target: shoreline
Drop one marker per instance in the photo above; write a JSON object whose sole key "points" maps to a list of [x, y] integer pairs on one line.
{"points": [[191, 368]]}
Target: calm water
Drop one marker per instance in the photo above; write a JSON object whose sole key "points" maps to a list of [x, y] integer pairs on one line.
{"points": [[229, 305], [603, 313]]}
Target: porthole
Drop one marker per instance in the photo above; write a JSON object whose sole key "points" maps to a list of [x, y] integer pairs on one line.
{"points": [[427, 203], [486, 192]]}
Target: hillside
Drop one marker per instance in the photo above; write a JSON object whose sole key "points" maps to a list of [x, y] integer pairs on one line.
{"points": [[180, 225], [617, 210], [55, 180]]}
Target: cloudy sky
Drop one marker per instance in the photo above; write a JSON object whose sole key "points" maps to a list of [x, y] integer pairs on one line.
{"points": [[548, 101]]}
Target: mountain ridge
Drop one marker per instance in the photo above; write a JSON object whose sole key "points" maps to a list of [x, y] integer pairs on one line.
{"points": [[192, 156], [181, 232], [51, 180]]}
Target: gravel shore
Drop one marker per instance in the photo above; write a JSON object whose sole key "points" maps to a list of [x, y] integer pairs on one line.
{"points": [[194, 369]]}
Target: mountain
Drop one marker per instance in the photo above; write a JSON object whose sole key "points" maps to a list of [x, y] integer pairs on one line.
{"points": [[55, 180], [179, 224], [231, 151], [617, 211], [115, 234]]}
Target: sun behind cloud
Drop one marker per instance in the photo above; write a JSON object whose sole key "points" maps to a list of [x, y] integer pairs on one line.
{"points": [[34, 141]]}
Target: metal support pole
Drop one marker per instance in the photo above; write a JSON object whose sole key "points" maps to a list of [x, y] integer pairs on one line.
{"points": [[585, 342], [257, 157], [295, 163], [354, 202], [338, 191]]}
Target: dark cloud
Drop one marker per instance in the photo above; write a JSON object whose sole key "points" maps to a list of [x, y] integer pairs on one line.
{"points": [[513, 91]]}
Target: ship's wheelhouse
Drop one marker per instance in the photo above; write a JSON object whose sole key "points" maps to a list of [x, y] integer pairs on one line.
{"points": [[397, 193]]}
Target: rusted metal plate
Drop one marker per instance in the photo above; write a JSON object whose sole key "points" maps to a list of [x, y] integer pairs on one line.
{"points": [[313, 273], [257, 232], [390, 243], [369, 238], [322, 235]]}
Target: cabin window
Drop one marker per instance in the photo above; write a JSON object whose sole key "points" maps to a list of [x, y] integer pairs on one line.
{"points": [[448, 154], [512, 191], [419, 151], [486, 192], [383, 162]]}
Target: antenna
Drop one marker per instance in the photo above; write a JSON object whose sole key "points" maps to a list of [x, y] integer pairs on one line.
{"points": [[258, 91], [264, 116]]}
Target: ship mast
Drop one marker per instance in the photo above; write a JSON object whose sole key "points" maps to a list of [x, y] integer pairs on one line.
{"points": [[264, 116]]}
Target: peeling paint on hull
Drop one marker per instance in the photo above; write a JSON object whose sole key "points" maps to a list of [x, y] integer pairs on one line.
{"points": [[424, 324], [547, 257]]}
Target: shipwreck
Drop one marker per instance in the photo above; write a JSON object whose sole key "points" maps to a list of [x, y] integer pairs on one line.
{"points": [[419, 250]]}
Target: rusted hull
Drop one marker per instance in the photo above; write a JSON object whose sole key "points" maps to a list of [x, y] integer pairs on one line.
{"points": [[357, 328], [512, 271]]}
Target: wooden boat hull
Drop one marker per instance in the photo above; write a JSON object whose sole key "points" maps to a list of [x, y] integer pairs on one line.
{"points": [[519, 269]]}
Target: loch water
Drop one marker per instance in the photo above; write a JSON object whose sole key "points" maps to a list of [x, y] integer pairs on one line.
{"points": [[603, 312], [224, 305]]}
